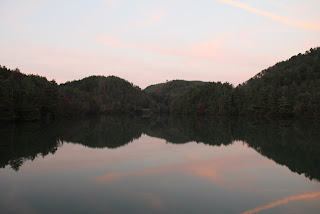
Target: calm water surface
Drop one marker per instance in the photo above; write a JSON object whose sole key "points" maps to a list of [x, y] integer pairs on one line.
{"points": [[160, 165]]}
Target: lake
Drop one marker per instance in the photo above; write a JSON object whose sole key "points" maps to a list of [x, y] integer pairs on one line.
{"points": [[160, 165]]}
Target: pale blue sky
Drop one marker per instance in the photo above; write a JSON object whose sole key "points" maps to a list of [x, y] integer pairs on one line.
{"points": [[147, 42]]}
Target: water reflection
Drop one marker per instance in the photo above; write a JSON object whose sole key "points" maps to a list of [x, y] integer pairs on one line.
{"points": [[26, 142], [295, 144], [215, 170], [283, 201], [102, 132], [177, 130]]}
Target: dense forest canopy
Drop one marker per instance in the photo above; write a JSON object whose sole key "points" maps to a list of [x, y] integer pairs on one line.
{"points": [[289, 88], [163, 94], [210, 98], [99, 94], [27, 97], [31, 97]]}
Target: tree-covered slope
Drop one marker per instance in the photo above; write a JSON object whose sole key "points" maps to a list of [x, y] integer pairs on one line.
{"points": [[210, 99], [289, 88], [99, 94], [164, 94], [31, 97], [27, 97]]}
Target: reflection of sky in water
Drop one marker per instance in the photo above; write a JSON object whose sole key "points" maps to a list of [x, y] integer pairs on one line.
{"points": [[150, 176]]}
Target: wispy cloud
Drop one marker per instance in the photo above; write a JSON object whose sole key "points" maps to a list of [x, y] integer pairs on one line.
{"points": [[212, 51], [272, 16], [283, 201]]}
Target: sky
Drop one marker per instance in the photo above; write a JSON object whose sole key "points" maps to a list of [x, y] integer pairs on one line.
{"points": [[147, 41]]}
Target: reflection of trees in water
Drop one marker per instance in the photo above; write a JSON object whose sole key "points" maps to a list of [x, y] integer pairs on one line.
{"points": [[101, 132], [20, 143], [28, 141], [295, 144], [179, 130]]}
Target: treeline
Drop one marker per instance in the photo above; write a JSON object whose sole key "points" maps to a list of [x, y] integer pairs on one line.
{"points": [[210, 98], [32, 97], [99, 94], [290, 88], [25, 97], [162, 95]]}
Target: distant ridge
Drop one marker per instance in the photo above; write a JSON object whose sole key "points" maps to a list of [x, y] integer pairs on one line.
{"points": [[289, 88]]}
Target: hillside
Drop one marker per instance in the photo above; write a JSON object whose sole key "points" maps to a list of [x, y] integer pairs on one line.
{"points": [[163, 94], [289, 88], [99, 94], [207, 99], [31, 97], [27, 97]]}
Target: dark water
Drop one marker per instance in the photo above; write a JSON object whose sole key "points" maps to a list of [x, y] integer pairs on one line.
{"points": [[160, 165]]}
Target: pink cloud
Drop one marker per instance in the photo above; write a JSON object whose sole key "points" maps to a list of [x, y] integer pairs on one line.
{"points": [[210, 51], [223, 48], [271, 16], [65, 64]]}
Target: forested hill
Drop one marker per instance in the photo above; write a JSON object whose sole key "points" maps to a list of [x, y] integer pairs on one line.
{"points": [[27, 97], [207, 99], [289, 88], [99, 94], [163, 94], [31, 97]]}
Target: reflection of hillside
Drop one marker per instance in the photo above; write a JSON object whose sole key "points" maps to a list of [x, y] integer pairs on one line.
{"points": [[292, 143], [26, 142], [101, 132], [295, 144], [179, 130]]}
